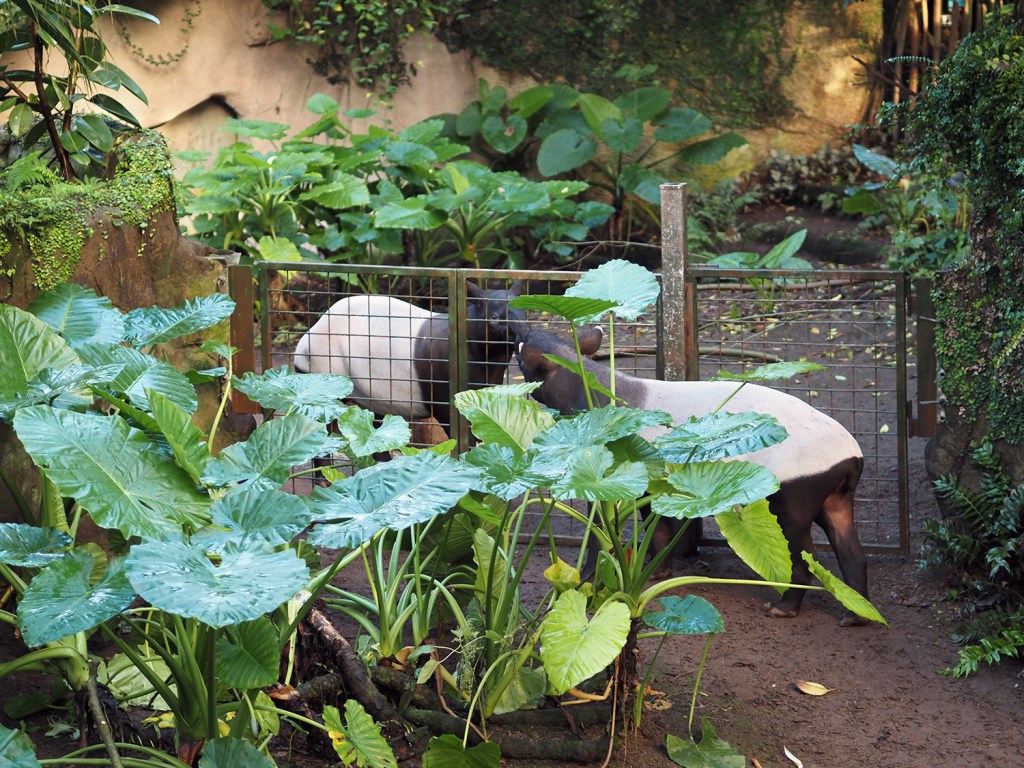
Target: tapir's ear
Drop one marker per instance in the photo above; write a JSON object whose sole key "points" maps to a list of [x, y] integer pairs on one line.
{"points": [[516, 288], [590, 339], [532, 358], [475, 291]]}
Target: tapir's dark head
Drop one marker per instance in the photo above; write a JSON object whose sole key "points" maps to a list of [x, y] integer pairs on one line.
{"points": [[560, 388], [491, 319]]}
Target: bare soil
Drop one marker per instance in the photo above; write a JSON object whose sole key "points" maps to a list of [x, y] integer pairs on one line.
{"points": [[889, 703]]}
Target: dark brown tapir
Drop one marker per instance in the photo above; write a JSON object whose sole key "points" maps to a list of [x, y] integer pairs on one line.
{"points": [[396, 353], [817, 466]]}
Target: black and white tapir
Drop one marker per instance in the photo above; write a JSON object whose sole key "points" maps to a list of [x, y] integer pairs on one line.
{"points": [[817, 466], [397, 354]]}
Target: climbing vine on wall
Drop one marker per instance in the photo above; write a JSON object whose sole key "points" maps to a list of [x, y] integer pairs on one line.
{"points": [[725, 58], [967, 123], [360, 41], [192, 11]]}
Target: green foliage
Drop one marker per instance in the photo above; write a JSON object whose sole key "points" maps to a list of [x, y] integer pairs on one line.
{"points": [[984, 545], [330, 193], [927, 219], [623, 148], [360, 41], [52, 219], [726, 58], [966, 123], [43, 101]]}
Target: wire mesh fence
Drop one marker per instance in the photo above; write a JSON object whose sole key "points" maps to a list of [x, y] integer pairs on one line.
{"points": [[852, 322]]}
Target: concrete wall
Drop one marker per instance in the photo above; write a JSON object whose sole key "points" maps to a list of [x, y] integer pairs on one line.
{"points": [[232, 67]]}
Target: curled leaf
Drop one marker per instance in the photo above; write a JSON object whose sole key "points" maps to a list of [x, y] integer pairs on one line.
{"points": [[795, 760], [812, 689]]}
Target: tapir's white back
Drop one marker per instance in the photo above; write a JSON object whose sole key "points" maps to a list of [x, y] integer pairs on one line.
{"points": [[371, 340], [816, 442]]}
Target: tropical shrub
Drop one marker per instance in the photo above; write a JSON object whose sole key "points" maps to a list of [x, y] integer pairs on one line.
{"points": [[328, 192], [46, 100], [212, 545], [625, 148], [983, 544]]}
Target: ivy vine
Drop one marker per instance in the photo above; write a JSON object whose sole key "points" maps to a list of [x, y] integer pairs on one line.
{"points": [[967, 123], [360, 40], [192, 11]]}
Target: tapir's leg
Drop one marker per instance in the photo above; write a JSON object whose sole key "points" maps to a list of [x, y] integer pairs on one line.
{"points": [[795, 521], [837, 521]]}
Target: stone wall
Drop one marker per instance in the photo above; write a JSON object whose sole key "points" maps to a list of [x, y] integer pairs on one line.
{"points": [[231, 67]]}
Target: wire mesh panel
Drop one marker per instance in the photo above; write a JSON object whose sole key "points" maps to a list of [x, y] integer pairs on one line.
{"points": [[853, 324]]}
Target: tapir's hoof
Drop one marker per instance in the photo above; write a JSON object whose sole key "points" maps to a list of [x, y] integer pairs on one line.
{"points": [[780, 612], [853, 620]]}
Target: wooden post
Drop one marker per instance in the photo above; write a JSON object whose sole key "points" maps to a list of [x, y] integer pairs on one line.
{"points": [[678, 346]]}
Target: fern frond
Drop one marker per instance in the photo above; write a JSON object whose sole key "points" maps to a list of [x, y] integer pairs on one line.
{"points": [[27, 171]]}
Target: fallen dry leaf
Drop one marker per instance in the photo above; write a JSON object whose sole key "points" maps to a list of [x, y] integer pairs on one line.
{"points": [[812, 689], [794, 758]]}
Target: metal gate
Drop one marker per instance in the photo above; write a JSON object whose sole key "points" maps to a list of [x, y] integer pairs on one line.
{"points": [[853, 322]]}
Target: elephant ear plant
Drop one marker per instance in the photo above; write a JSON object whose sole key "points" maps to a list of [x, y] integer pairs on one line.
{"points": [[207, 541], [597, 457]]}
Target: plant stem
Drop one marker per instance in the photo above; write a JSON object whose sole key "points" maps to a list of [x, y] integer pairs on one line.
{"points": [[696, 685], [99, 718]]}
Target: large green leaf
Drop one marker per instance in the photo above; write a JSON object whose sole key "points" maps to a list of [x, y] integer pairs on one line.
{"points": [[681, 124], [531, 101], [141, 373], [644, 103], [343, 191], [156, 325], [783, 251], [504, 135], [30, 547], [720, 435], [709, 151], [632, 288], [62, 387], [448, 751], [755, 535], [503, 418], [591, 473], [187, 441], [574, 649], [643, 182], [270, 452], [564, 151], [395, 494], [599, 426], [710, 752], [254, 518], [17, 750], [28, 346], [409, 214], [365, 439], [772, 371], [130, 686], [114, 471], [507, 473], [180, 579], [61, 599], [248, 656], [709, 487], [574, 308], [316, 395], [876, 162], [79, 315], [257, 129], [843, 592], [597, 109], [622, 135], [690, 615], [358, 741], [228, 752]]}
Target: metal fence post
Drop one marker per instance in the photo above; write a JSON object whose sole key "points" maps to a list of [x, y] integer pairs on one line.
{"points": [[677, 347]]}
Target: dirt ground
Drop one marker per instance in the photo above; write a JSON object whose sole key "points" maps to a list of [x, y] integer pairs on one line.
{"points": [[890, 705]]}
